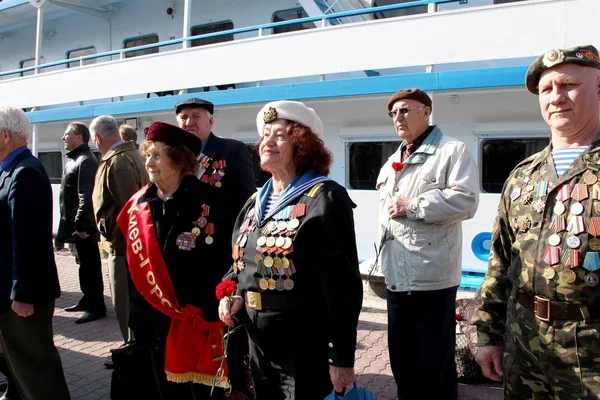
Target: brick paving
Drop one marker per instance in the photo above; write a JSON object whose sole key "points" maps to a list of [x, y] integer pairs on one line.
{"points": [[84, 348]]}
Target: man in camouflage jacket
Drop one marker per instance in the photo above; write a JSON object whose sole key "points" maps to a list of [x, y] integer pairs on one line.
{"points": [[541, 298]]}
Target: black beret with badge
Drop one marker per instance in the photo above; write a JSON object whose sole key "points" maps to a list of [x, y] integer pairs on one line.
{"points": [[586, 56], [195, 102]]}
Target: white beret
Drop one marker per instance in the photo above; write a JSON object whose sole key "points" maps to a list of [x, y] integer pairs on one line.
{"points": [[290, 110]]}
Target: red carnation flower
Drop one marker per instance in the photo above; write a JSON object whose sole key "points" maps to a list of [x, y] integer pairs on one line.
{"points": [[225, 289], [398, 166], [459, 317]]}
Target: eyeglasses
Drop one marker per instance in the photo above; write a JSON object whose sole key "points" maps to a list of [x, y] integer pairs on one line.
{"points": [[402, 111]]}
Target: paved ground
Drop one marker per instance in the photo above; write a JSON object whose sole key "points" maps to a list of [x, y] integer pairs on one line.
{"points": [[84, 348]]}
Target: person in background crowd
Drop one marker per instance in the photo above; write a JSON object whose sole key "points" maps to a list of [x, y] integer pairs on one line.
{"points": [[299, 290], [120, 174], [174, 228], [128, 134], [77, 224], [426, 189], [540, 319], [28, 276]]}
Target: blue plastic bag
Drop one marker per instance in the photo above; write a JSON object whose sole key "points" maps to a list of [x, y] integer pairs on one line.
{"points": [[355, 394]]}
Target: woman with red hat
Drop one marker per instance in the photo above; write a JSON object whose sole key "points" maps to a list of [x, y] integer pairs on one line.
{"points": [[172, 230]]}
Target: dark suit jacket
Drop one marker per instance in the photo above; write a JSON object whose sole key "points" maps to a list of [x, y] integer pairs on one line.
{"points": [[238, 183], [27, 268]]}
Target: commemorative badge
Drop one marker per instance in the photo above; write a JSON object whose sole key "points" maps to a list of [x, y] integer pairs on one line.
{"points": [[549, 273], [515, 194], [553, 57]]}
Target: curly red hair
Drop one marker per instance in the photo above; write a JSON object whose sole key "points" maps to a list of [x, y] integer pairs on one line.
{"points": [[309, 150]]}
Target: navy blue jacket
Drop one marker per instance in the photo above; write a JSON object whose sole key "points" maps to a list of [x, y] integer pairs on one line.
{"points": [[27, 268]]}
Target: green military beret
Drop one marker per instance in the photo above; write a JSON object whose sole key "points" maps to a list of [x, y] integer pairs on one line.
{"points": [[582, 55]]}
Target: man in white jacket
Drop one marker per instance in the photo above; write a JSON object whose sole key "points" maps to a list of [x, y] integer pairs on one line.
{"points": [[426, 188]]}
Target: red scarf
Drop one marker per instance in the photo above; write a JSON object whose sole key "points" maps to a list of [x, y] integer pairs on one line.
{"points": [[193, 343]]}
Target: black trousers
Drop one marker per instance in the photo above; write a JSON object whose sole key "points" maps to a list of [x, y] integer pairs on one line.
{"points": [[90, 275], [421, 341]]}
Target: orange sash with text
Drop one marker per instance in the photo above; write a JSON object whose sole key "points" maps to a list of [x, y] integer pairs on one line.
{"points": [[193, 343]]}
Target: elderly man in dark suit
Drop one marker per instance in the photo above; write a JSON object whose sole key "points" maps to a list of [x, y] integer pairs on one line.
{"points": [[28, 277], [227, 165]]}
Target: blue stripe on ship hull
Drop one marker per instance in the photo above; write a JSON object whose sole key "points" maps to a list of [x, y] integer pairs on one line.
{"points": [[368, 86]]}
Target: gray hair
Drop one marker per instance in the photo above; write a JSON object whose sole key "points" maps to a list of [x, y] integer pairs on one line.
{"points": [[105, 126], [80, 130], [15, 121]]}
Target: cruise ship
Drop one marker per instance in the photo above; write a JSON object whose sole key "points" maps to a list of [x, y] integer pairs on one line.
{"points": [[66, 60]]}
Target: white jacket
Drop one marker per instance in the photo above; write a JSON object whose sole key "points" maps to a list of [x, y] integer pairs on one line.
{"points": [[442, 179]]}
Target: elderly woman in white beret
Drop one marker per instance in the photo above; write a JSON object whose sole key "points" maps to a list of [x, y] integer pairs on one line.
{"points": [[299, 290]]}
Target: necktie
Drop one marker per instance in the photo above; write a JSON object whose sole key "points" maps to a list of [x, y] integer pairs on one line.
{"points": [[410, 148]]}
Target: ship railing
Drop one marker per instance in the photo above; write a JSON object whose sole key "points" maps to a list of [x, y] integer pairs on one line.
{"points": [[260, 29]]}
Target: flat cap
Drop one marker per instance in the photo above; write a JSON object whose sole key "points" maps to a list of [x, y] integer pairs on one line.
{"points": [[292, 111], [195, 102], [173, 136], [415, 94], [586, 56]]}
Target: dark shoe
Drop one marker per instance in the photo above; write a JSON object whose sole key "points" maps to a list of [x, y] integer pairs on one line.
{"points": [[89, 317], [108, 364], [75, 308]]}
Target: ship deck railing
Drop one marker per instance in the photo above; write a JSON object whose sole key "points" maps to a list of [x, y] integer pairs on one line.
{"points": [[260, 29]]}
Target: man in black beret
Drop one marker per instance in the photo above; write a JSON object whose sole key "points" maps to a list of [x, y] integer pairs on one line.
{"points": [[226, 164], [539, 323], [426, 189]]}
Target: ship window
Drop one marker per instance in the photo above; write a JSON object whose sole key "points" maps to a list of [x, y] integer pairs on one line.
{"points": [[500, 156], [211, 28], [260, 175], [289, 15], [140, 41], [52, 162], [365, 160], [81, 53], [27, 63], [400, 12]]}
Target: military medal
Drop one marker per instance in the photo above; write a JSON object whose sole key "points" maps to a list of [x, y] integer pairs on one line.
{"points": [[285, 263], [186, 241], [287, 244], [549, 273], [268, 261], [523, 223], [568, 276], [263, 284], [591, 264], [209, 230], [563, 194], [539, 205], [573, 242], [270, 241], [288, 284], [554, 239], [279, 285], [591, 279], [257, 258], [271, 283], [515, 194], [196, 232], [277, 263], [552, 255], [589, 177], [575, 225], [261, 241], [570, 258], [559, 208], [593, 224], [580, 193]]}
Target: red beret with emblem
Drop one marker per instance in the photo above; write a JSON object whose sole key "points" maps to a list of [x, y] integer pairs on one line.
{"points": [[173, 136]]}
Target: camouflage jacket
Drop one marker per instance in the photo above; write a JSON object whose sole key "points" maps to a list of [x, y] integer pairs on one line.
{"points": [[520, 255]]}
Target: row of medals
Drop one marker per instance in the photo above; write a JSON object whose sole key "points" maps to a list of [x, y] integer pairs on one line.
{"points": [[579, 193], [276, 238]]}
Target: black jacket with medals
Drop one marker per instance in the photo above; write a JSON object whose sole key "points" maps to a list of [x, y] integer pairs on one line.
{"points": [[326, 297], [194, 272]]}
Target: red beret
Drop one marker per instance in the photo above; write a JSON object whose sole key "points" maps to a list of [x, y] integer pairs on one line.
{"points": [[415, 94], [173, 136]]}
